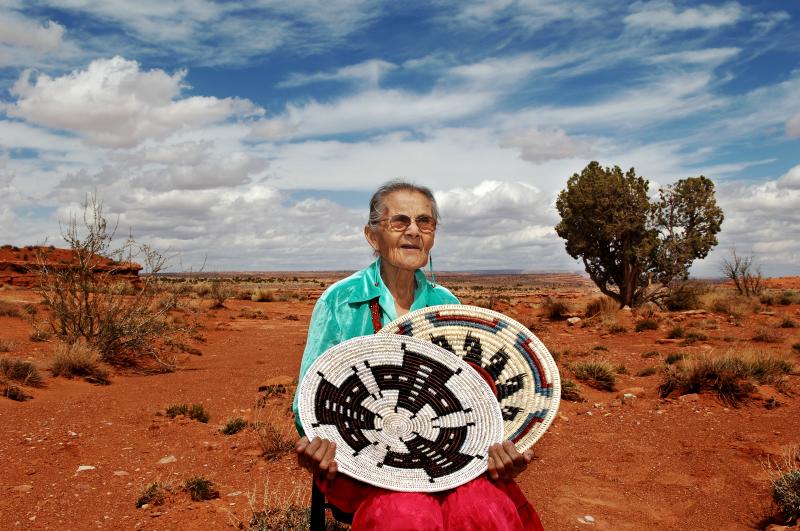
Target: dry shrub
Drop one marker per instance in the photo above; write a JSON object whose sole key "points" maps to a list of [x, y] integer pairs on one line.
{"points": [[263, 295], [614, 327], [736, 306], [195, 411], [220, 292], [9, 309], [784, 476], [250, 313], [7, 346], [604, 306], [599, 374], [279, 511], [570, 391], [731, 375], [20, 371], [200, 488], [787, 322], [79, 361], [85, 300], [234, 425], [766, 335], [274, 430], [555, 309], [647, 371], [153, 494], [646, 324], [684, 296]]}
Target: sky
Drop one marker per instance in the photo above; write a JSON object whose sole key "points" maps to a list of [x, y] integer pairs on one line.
{"points": [[249, 135]]}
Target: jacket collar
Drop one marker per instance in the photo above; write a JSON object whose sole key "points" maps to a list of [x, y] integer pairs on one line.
{"points": [[373, 286]]}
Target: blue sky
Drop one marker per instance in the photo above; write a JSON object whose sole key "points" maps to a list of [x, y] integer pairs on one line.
{"points": [[249, 135]]}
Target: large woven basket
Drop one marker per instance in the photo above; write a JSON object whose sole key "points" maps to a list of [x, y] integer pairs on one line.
{"points": [[405, 414], [519, 368]]}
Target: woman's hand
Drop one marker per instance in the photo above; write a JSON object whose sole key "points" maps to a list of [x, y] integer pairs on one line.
{"points": [[317, 456], [505, 462]]}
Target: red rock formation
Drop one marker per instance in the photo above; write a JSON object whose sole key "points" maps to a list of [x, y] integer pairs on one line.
{"points": [[19, 266]]}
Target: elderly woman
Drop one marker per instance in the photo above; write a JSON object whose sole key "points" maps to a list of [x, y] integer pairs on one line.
{"points": [[401, 230]]}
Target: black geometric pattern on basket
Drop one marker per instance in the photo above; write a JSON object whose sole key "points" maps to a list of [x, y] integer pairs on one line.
{"points": [[419, 381]]}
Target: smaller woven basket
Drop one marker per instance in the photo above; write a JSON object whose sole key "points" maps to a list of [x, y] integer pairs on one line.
{"points": [[406, 415], [519, 368]]}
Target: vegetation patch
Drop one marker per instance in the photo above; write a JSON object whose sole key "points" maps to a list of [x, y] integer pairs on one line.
{"points": [[766, 335], [555, 309], [200, 489], [7, 346], [153, 494], [651, 354], [684, 296], [79, 361], [9, 309], [570, 391], [596, 373], [676, 332], [648, 371], [674, 358], [731, 376], [605, 307], [195, 411], [20, 371], [787, 322], [234, 425], [646, 324]]}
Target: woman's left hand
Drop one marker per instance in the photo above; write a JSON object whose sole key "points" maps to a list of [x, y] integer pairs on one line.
{"points": [[505, 462]]}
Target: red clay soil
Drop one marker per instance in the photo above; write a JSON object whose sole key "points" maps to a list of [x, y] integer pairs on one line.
{"points": [[639, 463]]}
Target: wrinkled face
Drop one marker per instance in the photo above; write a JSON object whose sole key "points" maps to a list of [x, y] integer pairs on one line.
{"points": [[406, 249]]}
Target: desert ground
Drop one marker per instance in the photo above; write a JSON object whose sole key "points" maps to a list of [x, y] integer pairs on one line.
{"points": [[76, 455]]}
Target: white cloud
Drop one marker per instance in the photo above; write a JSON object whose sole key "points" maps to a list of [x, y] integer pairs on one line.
{"points": [[17, 30], [712, 56], [790, 180], [664, 16], [115, 104], [371, 110], [502, 70], [793, 126], [367, 72], [541, 146]]}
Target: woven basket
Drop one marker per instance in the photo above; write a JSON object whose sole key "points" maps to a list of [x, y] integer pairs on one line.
{"points": [[519, 368], [405, 414]]}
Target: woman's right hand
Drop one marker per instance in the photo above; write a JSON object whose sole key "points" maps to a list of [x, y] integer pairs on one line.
{"points": [[317, 456]]}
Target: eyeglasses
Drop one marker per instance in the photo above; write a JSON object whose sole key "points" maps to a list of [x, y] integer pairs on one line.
{"points": [[401, 222]]}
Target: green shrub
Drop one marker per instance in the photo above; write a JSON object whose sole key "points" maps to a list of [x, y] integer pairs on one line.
{"points": [[684, 296], [649, 371], [651, 354], [676, 332], [597, 374], [234, 425], [674, 358], [622, 369], [786, 493], [600, 347], [646, 324], [617, 328], [200, 489]]}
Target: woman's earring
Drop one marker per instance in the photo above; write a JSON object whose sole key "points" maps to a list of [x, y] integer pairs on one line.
{"points": [[430, 268]]}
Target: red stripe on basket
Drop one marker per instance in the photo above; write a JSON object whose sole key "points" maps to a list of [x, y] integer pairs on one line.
{"points": [[535, 359], [523, 433], [440, 317]]}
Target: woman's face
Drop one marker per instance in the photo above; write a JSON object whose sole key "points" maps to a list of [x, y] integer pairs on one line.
{"points": [[406, 249]]}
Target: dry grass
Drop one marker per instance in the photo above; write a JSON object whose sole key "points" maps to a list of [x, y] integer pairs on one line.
{"points": [[9, 309], [79, 361], [153, 494], [736, 306], [731, 375], [646, 324], [195, 411], [200, 488], [234, 425], [766, 335], [273, 429], [599, 374], [784, 476], [570, 391], [604, 307], [20, 371], [7, 346], [555, 309]]}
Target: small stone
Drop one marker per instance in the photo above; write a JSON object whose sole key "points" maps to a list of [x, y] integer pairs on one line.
{"points": [[235, 493], [22, 488], [589, 413], [691, 397], [589, 518], [628, 396], [598, 405], [145, 506], [83, 468], [120, 473], [166, 460], [72, 434], [615, 403], [572, 321], [776, 527], [563, 417], [625, 308], [636, 391]]}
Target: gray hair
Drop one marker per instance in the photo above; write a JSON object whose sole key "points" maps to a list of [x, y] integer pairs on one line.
{"points": [[377, 205]]}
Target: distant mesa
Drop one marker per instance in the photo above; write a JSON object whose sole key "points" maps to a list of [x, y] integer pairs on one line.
{"points": [[19, 266]]}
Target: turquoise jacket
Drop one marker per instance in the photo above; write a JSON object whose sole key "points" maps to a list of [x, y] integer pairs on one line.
{"points": [[342, 312]]}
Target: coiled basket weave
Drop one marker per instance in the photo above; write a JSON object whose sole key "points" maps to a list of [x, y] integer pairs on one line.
{"points": [[405, 414], [518, 367]]}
